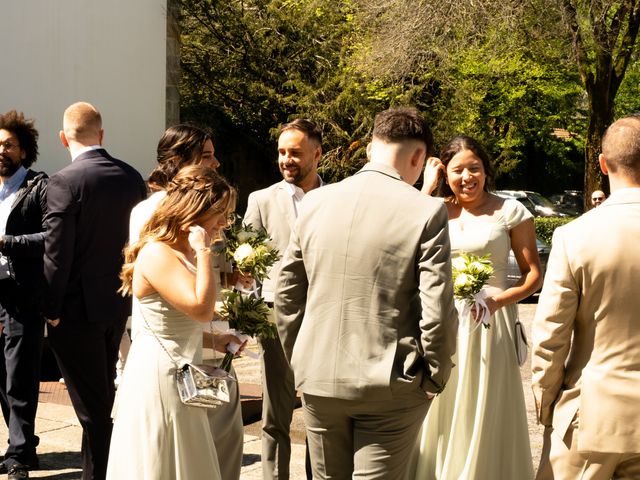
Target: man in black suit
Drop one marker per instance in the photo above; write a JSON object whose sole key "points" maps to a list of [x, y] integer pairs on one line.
{"points": [[89, 203], [23, 202]]}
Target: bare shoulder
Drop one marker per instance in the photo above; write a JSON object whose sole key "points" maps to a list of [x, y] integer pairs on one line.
{"points": [[156, 254]]}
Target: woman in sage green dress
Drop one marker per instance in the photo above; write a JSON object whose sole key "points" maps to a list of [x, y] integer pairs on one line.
{"points": [[476, 429], [170, 271]]}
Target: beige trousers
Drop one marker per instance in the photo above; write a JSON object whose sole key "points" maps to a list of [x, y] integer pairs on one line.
{"points": [[562, 461]]}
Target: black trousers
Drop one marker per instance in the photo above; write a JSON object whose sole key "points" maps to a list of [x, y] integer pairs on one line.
{"points": [[87, 355], [19, 384]]}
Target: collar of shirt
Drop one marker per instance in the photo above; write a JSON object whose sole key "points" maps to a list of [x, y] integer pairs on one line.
{"points": [[84, 150], [12, 184], [297, 193]]}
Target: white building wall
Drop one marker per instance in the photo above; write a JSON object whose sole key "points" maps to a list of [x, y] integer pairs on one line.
{"points": [[111, 53]]}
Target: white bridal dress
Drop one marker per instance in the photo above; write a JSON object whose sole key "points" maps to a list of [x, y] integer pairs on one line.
{"points": [[155, 436], [477, 428]]}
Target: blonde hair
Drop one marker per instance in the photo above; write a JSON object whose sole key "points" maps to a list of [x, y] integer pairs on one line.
{"points": [[82, 122], [193, 192]]}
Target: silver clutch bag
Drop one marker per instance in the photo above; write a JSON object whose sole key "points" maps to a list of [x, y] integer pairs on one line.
{"points": [[203, 385]]}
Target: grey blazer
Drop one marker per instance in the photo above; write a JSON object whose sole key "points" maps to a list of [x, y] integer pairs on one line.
{"points": [[272, 209], [364, 298]]}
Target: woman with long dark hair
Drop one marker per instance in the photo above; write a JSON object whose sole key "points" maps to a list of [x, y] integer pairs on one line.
{"points": [[476, 429]]}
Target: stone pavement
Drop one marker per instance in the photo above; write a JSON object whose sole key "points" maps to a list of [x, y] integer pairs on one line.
{"points": [[60, 433]]}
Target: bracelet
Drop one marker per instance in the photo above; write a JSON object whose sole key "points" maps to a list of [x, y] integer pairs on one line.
{"points": [[203, 249]]}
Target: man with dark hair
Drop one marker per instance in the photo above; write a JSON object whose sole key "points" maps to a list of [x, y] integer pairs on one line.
{"points": [[364, 305], [22, 210], [88, 207], [275, 209], [586, 333]]}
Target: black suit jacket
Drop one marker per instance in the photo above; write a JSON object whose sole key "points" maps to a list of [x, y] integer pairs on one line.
{"points": [[24, 245], [89, 203]]}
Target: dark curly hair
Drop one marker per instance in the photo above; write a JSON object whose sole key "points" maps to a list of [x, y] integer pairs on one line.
{"points": [[451, 149], [180, 145], [26, 132]]}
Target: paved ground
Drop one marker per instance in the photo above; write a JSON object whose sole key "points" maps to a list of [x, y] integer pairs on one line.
{"points": [[60, 433]]}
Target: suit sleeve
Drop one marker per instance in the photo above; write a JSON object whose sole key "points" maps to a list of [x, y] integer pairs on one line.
{"points": [[59, 243], [252, 215], [29, 245], [439, 322], [291, 296], [552, 329]]}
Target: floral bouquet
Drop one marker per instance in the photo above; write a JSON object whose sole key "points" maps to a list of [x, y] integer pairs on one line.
{"points": [[250, 250], [470, 274], [248, 314]]}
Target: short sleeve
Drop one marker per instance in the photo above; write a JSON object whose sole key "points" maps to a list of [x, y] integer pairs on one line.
{"points": [[514, 213]]}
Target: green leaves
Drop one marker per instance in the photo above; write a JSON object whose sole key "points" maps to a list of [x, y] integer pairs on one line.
{"points": [[248, 314]]}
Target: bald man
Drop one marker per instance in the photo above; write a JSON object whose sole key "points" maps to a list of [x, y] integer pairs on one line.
{"points": [[89, 203], [586, 334], [597, 197]]}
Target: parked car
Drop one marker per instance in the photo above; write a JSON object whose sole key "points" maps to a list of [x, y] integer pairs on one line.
{"points": [[538, 205], [513, 271], [570, 202]]}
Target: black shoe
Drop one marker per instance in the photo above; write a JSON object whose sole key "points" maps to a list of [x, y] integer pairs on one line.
{"points": [[17, 472]]}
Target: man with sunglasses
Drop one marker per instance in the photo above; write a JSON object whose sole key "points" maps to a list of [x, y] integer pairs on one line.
{"points": [[597, 198]]}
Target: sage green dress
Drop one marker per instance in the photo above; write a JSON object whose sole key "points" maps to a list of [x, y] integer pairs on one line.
{"points": [[477, 428], [155, 436]]}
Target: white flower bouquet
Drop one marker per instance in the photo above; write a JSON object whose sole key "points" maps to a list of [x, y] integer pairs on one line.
{"points": [[250, 250], [248, 314], [470, 274]]}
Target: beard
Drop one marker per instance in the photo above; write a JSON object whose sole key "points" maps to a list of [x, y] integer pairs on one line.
{"points": [[8, 167], [295, 174]]}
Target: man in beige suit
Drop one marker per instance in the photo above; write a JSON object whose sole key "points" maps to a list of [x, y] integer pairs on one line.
{"points": [[275, 209], [364, 304], [586, 332]]}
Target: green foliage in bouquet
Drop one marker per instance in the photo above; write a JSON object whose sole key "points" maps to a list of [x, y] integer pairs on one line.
{"points": [[250, 250], [470, 274], [248, 314]]}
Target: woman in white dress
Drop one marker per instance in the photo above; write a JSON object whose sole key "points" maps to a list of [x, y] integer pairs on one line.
{"points": [[169, 271], [477, 428]]}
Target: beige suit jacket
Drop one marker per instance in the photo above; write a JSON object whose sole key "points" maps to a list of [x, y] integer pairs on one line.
{"points": [[272, 209], [586, 332], [364, 298]]}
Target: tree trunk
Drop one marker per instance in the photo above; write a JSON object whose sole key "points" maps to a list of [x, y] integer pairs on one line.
{"points": [[600, 117]]}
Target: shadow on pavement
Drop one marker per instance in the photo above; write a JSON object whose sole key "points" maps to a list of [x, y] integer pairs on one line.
{"points": [[250, 459], [60, 461]]}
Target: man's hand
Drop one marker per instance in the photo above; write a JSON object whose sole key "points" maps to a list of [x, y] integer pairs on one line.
{"points": [[53, 321]]}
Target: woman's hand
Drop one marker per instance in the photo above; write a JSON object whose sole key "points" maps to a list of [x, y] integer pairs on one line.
{"points": [[433, 168], [198, 238], [221, 342], [244, 279]]}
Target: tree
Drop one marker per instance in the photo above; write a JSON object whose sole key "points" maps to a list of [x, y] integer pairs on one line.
{"points": [[498, 71], [605, 38]]}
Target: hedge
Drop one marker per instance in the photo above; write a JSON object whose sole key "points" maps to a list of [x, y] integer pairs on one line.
{"points": [[546, 225]]}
